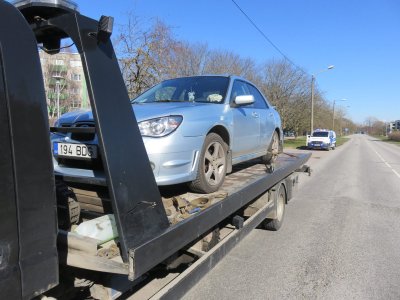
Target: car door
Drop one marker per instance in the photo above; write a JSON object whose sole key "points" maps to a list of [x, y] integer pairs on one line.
{"points": [[266, 118], [246, 123]]}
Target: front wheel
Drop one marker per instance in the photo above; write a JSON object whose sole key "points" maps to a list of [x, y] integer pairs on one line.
{"points": [[212, 165]]}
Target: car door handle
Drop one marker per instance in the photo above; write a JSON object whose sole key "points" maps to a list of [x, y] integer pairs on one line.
{"points": [[255, 115]]}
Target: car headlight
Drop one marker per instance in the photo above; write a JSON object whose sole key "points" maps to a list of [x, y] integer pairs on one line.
{"points": [[160, 127]]}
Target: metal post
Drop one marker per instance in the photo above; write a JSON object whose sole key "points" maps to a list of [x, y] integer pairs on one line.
{"points": [[58, 98], [333, 117], [312, 95], [312, 103]]}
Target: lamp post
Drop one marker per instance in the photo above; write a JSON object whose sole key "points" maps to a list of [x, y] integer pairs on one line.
{"points": [[58, 79], [312, 94], [333, 114]]}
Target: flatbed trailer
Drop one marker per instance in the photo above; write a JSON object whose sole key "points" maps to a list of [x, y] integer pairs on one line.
{"points": [[250, 197], [38, 250], [253, 212]]}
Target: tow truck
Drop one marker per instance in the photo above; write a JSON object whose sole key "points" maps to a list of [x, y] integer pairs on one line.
{"points": [[165, 240]]}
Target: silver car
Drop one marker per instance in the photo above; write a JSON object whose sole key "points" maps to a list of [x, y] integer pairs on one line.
{"points": [[194, 129]]}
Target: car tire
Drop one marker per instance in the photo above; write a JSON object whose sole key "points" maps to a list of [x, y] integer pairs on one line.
{"points": [[280, 204], [273, 151], [211, 170]]}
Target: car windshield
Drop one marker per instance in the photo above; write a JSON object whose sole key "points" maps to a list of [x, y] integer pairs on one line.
{"points": [[211, 89], [320, 134]]}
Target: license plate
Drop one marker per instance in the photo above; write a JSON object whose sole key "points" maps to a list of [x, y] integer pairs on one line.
{"points": [[81, 151]]}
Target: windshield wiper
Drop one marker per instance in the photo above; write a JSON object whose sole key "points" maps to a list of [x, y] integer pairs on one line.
{"points": [[158, 101], [167, 100]]}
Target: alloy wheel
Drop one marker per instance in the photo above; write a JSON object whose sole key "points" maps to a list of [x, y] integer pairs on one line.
{"points": [[214, 163]]}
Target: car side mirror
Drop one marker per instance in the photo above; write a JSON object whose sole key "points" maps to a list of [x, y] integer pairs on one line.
{"points": [[244, 100]]}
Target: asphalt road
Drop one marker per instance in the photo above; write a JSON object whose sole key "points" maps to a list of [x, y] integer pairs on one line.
{"points": [[340, 239]]}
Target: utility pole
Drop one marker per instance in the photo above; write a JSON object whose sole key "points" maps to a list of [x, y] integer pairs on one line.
{"points": [[312, 94], [312, 103], [333, 116], [58, 90], [58, 98], [333, 113]]}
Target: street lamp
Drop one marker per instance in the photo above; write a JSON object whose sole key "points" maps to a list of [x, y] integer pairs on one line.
{"points": [[58, 79], [333, 114], [312, 94]]}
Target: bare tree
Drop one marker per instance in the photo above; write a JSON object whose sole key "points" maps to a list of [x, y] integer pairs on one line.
{"points": [[145, 56], [286, 88], [189, 59]]}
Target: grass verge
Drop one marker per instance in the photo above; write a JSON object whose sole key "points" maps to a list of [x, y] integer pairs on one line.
{"points": [[300, 142], [385, 139]]}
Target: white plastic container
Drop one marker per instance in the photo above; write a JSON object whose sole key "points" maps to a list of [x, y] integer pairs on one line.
{"points": [[102, 229]]}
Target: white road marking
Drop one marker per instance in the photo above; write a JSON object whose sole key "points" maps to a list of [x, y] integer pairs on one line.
{"points": [[386, 163]]}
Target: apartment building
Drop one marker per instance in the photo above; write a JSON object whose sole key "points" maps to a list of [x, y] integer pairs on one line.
{"points": [[393, 126]]}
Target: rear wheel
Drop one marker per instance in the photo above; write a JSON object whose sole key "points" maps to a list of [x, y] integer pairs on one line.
{"points": [[272, 154], [212, 165]]}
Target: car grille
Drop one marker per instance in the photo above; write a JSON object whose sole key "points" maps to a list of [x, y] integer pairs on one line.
{"points": [[83, 137], [95, 164]]}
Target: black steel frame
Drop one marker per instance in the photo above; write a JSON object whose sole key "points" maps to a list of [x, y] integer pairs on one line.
{"points": [[28, 230], [129, 177]]}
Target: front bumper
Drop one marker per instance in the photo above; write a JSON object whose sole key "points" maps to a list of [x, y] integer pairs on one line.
{"points": [[173, 159], [313, 145]]}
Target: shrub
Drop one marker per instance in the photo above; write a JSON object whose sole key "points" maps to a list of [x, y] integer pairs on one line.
{"points": [[395, 136]]}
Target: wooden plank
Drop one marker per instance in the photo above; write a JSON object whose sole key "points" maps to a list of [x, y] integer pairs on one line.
{"points": [[75, 241], [91, 200], [86, 261], [89, 193], [90, 207]]}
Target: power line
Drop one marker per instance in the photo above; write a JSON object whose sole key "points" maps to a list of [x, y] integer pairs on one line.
{"points": [[265, 36]]}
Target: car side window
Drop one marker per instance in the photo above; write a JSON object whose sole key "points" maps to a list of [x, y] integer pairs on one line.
{"points": [[259, 101], [239, 88]]}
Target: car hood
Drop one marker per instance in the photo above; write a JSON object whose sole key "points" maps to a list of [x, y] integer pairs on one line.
{"points": [[143, 111], [318, 138]]}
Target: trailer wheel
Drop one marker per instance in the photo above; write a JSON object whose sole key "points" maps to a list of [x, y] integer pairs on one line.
{"points": [[280, 204], [212, 165]]}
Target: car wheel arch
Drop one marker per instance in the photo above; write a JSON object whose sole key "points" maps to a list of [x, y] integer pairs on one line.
{"points": [[222, 132]]}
